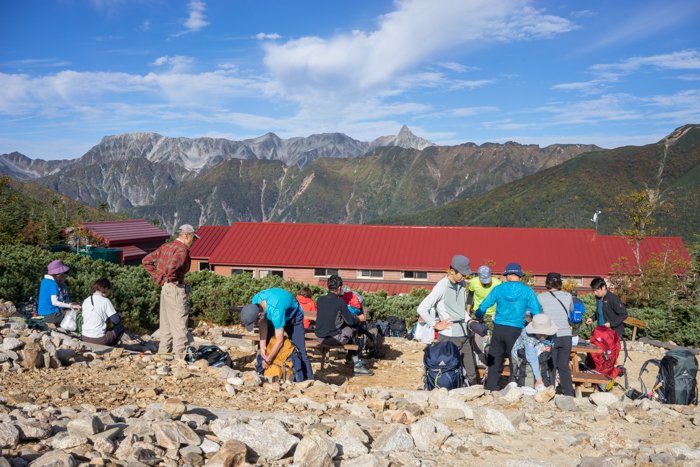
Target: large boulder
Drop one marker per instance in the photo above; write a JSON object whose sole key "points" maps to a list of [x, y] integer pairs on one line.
{"points": [[314, 450], [349, 447], [493, 422], [33, 429], [268, 440], [85, 425], [604, 399], [9, 435], [424, 432], [231, 454], [394, 438], [55, 459], [170, 434]]}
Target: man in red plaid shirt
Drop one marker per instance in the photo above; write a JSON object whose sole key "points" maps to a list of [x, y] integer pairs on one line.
{"points": [[168, 266]]}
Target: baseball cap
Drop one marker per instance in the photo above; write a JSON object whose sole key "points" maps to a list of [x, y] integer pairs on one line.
{"points": [[249, 315], [485, 274], [553, 276], [187, 229], [461, 265], [514, 268]]}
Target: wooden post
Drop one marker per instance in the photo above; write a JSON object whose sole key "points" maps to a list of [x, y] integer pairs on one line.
{"points": [[634, 333], [636, 323]]}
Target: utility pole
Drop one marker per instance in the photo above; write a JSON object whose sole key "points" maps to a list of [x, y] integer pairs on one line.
{"points": [[595, 219]]}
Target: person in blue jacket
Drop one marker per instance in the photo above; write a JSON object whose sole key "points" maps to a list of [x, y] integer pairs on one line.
{"points": [[280, 310], [53, 295], [513, 299]]}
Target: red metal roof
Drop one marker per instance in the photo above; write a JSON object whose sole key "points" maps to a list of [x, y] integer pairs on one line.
{"points": [[209, 238], [575, 252], [131, 252], [119, 233], [390, 287]]}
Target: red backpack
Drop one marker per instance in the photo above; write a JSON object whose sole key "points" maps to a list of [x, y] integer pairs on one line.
{"points": [[608, 341]]}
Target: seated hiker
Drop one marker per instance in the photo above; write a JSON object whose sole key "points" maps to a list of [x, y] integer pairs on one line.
{"points": [[50, 306], [278, 309], [306, 301], [336, 325], [535, 342], [98, 314]]}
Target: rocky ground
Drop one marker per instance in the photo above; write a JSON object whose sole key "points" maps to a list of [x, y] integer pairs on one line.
{"points": [[64, 405]]}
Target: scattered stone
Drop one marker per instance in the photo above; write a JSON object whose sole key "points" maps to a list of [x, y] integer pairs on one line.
{"points": [[10, 343], [174, 407], [493, 422], [55, 459], [349, 447], [312, 448], [527, 463], [545, 395], [231, 454], [353, 430], [268, 440], [449, 402], [447, 414], [424, 429], [393, 438], [56, 391], [85, 425], [33, 429], [67, 442], [566, 403], [604, 399], [104, 446], [125, 411], [9, 435], [368, 460], [170, 434]]}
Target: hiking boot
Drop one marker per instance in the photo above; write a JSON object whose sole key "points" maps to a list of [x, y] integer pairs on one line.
{"points": [[361, 370]]}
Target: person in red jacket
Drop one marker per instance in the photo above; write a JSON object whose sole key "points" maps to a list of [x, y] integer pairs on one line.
{"points": [[307, 304]]}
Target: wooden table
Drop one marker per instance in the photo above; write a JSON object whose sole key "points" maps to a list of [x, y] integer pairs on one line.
{"points": [[578, 378]]}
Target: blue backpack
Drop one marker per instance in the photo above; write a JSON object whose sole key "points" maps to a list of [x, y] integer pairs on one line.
{"points": [[576, 316], [443, 366]]}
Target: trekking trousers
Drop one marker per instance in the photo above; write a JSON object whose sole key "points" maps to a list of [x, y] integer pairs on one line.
{"points": [[464, 344], [502, 342], [561, 354], [174, 336], [297, 334]]}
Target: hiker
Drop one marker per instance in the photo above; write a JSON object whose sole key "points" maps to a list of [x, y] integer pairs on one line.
{"points": [[98, 312], [610, 310], [536, 340], [449, 298], [307, 304], [278, 309], [167, 266], [336, 325], [479, 288], [557, 305], [514, 300], [52, 302]]}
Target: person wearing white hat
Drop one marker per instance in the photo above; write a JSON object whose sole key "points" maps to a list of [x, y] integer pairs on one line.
{"points": [[536, 337]]}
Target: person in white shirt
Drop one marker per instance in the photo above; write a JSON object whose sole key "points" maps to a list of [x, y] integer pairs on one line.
{"points": [[97, 312]]}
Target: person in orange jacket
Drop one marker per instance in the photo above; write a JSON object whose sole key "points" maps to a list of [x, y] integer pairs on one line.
{"points": [[307, 304]]}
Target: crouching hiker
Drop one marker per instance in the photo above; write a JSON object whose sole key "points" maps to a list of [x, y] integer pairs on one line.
{"points": [[99, 314], [535, 341], [336, 325], [278, 309]]}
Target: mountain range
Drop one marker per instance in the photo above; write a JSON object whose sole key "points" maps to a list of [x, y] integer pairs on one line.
{"points": [[131, 169], [568, 194]]}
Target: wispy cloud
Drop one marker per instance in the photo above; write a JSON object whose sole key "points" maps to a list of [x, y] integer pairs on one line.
{"points": [[179, 63], [262, 35], [459, 68], [688, 77], [197, 19], [607, 73], [145, 26], [35, 62], [583, 14]]}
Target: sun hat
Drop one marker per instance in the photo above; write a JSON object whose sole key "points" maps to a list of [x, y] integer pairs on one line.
{"points": [[541, 324], [57, 267], [249, 315], [485, 274], [461, 265], [187, 229], [514, 268]]}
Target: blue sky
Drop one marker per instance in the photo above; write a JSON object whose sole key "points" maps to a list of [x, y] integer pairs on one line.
{"points": [[602, 72]]}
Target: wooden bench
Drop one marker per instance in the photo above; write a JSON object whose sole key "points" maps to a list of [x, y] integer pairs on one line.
{"points": [[482, 371], [587, 378], [636, 323], [310, 344]]}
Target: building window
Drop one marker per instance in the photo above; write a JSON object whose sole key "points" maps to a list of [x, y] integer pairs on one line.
{"points": [[414, 275], [204, 266], [271, 272], [325, 272], [576, 280], [370, 274], [241, 271]]}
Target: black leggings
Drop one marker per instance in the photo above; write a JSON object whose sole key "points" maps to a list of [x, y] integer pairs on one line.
{"points": [[54, 318], [501, 345], [561, 354]]}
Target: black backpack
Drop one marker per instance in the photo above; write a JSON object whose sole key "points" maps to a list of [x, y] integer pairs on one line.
{"points": [[675, 383], [523, 372], [442, 366], [397, 327], [211, 353]]}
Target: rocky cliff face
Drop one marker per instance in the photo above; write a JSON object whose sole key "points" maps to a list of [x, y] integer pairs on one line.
{"points": [[21, 167]]}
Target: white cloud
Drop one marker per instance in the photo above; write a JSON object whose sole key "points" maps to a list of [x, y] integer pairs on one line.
{"points": [[145, 26], [609, 107], [35, 62], [262, 35], [197, 19], [458, 67], [367, 63], [583, 14], [688, 77], [179, 63]]}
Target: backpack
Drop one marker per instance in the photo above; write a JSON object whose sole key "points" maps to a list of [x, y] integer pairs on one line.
{"points": [[603, 363], [576, 316], [382, 327], [675, 383], [27, 307], [479, 347], [397, 327], [442, 366], [211, 353], [286, 365], [371, 340]]}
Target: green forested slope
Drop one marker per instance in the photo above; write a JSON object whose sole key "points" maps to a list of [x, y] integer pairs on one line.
{"points": [[567, 195]]}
